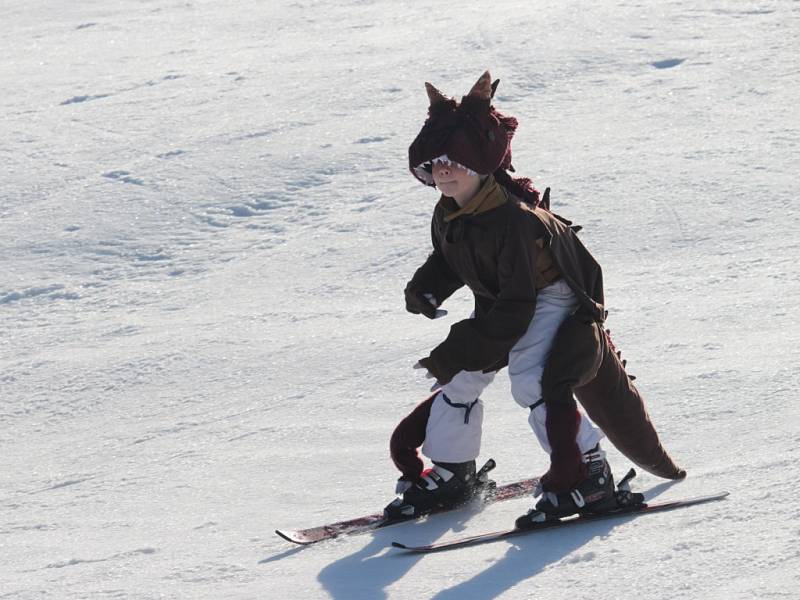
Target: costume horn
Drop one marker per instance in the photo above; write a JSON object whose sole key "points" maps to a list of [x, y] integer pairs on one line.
{"points": [[483, 88], [434, 95]]}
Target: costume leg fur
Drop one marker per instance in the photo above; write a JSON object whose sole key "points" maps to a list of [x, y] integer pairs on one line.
{"points": [[408, 436]]}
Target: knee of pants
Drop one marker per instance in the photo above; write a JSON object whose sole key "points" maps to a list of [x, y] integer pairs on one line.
{"points": [[526, 387], [448, 438], [467, 385]]}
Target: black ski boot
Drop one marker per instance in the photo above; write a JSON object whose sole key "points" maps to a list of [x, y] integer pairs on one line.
{"points": [[595, 494], [445, 486]]}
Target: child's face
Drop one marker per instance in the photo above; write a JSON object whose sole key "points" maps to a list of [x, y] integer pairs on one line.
{"points": [[454, 180]]}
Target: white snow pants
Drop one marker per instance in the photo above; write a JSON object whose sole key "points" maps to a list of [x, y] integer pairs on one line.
{"points": [[453, 433]]}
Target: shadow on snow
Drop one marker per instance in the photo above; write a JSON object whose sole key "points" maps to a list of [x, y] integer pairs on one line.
{"points": [[529, 556], [366, 574]]}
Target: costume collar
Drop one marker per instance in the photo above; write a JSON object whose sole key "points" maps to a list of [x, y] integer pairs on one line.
{"points": [[489, 196]]}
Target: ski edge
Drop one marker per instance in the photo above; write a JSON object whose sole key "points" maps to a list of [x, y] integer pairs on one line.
{"points": [[483, 538]]}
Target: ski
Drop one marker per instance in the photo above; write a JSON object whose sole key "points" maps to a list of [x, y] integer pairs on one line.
{"points": [[378, 521], [633, 511]]}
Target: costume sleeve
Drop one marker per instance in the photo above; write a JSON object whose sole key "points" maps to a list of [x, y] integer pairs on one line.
{"points": [[485, 340], [435, 276]]}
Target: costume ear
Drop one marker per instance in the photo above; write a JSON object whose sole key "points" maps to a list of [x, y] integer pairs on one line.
{"points": [[494, 86], [434, 95], [483, 88]]}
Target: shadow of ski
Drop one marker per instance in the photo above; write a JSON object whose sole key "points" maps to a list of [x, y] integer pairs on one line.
{"points": [[529, 556], [365, 573]]}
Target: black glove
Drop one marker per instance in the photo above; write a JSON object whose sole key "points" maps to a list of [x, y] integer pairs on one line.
{"points": [[433, 371], [420, 303]]}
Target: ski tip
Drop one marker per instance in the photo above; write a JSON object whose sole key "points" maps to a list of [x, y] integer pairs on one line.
{"points": [[717, 496], [286, 536], [414, 549], [293, 536]]}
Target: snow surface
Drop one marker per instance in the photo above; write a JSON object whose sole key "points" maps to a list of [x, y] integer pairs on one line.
{"points": [[206, 223]]}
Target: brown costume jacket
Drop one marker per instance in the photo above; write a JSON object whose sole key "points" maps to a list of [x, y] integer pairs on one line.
{"points": [[504, 251]]}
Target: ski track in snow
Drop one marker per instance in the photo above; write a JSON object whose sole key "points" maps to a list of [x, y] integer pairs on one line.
{"points": [[206, 224]]}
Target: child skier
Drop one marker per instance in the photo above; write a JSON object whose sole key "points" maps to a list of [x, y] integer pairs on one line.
{"points": [[539, 310]]}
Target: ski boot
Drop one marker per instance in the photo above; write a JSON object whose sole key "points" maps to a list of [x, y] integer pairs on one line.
{"points": [[595, 494], [445, 486]]}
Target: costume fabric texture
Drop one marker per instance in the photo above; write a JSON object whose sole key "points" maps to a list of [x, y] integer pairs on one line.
{"points": [[502, 251]]}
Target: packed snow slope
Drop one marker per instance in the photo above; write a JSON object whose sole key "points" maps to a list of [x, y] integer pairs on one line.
{"points": [[206, 224]]}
